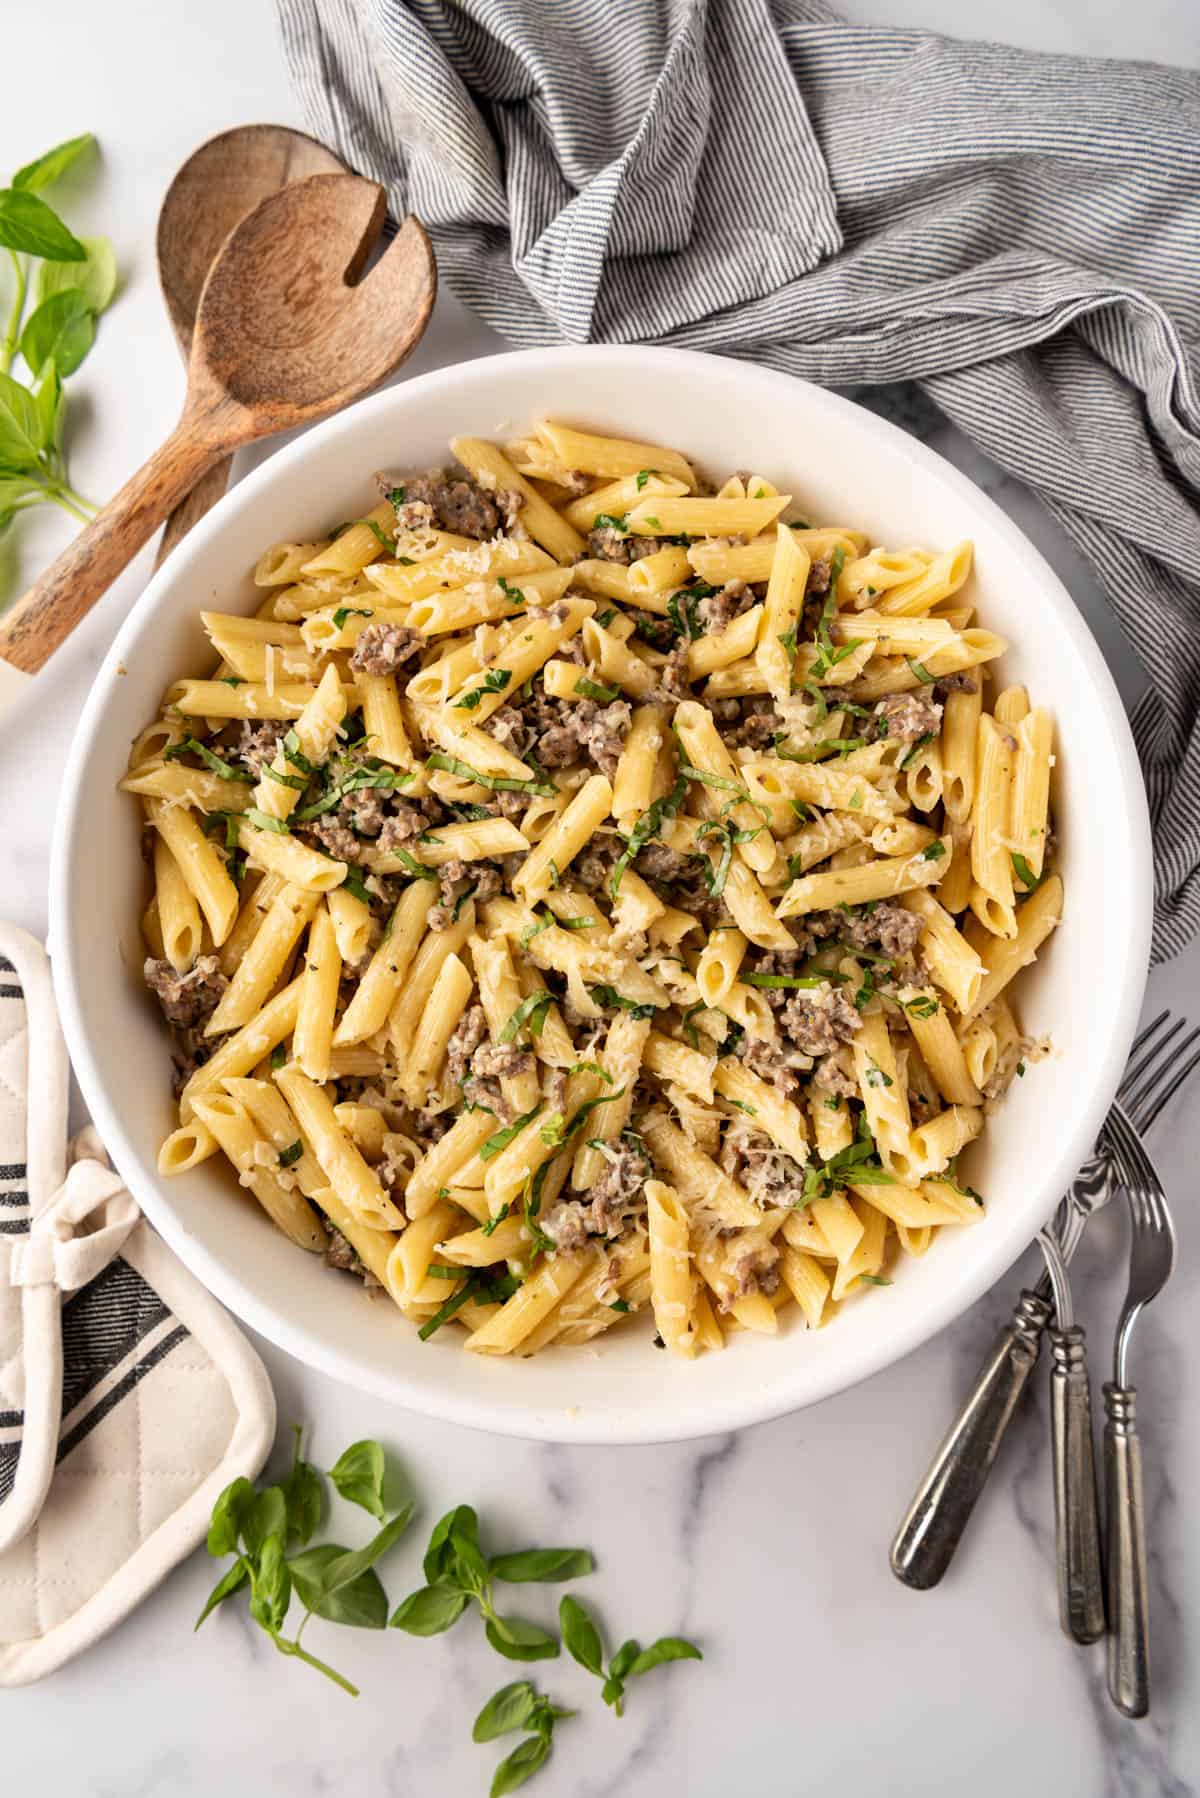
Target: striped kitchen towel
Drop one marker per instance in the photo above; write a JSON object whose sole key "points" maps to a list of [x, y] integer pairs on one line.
{"points": [[860, 205], [128, 1399]]}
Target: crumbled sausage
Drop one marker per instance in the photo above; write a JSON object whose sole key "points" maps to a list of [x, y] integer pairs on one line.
{"points": [[616, 1197], [611, 545], [586, 731], [907, 717], [962, 682], [819, 576], [186, 999], [833, 1077], [385, 648], [465, 1038], [458, 880], [500, 1061], [460, 506], [756, 1272], [719, 609], [818, 1021], [334, 836], [886, 924], [259, 743], [406, 819], [673, 682], [343, 1256], [489, 1096], [769, 1063]]}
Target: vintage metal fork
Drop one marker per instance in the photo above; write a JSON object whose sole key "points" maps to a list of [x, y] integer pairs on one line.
{"points": [[930, 1533], [1151, 1258]]}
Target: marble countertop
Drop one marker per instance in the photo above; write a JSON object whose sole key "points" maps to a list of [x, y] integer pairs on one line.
{"points": [[770, 1547]]}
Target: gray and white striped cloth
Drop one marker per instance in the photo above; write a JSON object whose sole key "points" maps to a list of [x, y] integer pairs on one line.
{"points": [[1019, 234]]}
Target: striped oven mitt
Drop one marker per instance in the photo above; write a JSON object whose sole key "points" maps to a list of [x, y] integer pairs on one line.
{"points": [[128, 1398]]}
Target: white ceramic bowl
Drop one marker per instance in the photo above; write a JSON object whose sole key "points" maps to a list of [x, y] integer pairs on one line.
{"points": [[845, 466]]}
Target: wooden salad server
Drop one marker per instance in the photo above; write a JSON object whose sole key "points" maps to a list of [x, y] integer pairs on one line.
{"points": [[212, 193], [285, 334]]}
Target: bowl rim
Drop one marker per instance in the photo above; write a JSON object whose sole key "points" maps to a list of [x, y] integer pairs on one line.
{"points": [[752, 1402]]}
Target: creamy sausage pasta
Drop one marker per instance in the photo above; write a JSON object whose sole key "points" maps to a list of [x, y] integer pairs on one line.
{"points": [[578, 891]]}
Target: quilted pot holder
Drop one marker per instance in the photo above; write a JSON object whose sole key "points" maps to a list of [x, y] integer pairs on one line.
{"points": [[128, 1398]]}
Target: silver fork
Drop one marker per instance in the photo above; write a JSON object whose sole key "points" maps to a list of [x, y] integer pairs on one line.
{"points": [[933, 1527], [1151, 1258]]}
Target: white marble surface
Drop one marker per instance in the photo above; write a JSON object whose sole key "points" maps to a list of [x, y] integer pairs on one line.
{"points": [[771, 1547]]}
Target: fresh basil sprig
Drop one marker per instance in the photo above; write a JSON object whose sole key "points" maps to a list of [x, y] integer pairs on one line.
{"points": [[457, 1572], [584, 1643], [337, 1583], [518, 1706], [72, 280]]}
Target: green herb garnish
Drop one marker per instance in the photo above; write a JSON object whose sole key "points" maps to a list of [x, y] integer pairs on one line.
{"points": [[498, 783], [494, 681], [530, 1012], [211, 760], [583, 1642]]}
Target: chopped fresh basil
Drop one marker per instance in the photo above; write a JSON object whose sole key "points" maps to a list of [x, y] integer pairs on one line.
{"points": [[875, 1075], [785, 980], [292, 1153], [494, 681], [264, 821], [344, 612], [643, 476], [502, 1138], [595, 690], [609, 996], [494, 1223], [621, 1305], [648, 826], [355, 886], [498, 783], [925, 1006], [874, 1279], [411, 865], [211, 760], [1025, 874], [920, 672], [933, 852], [369, 774], [605, 618], [608, 521], [535, 929], [532, 1012]]}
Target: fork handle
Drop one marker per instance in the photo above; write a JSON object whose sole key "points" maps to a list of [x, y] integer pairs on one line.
{"points": [[1076, 1508], [930, 1533], [1128, 1594]]}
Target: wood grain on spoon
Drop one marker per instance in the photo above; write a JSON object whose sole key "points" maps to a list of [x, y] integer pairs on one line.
{"points": [[286, 333], [220, 183]]}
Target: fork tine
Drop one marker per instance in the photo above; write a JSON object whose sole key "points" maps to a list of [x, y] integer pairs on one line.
{"points": [[1146, 1117], [1155, 1068], [1135, 1069], [1144, 1036]]}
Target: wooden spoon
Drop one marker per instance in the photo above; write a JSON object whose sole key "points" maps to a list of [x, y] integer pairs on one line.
{"points": [[285, 334], [214, 190]]}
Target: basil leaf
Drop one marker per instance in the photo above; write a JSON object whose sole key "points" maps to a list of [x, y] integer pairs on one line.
{"points": [[264, 821], [784, 980], [351, 1563], [498, 783], [358, 1476], [517, 1640], [212, 761], [445, 1312], [226, 1586], [519, 1766], [608, 521], [874, 1279], [302, 1497], [51, 166], [449, 1532], [623, 1660], [62, 330], [344, 612], [532, 1011], [933, 852], [29, 226], [541, 1564], [1025, 874], [228, 1515], [494, 681], [21, 435], [924, 1006], [95, 276], [667, 1648], [532, 930], [360, 1603], [608, 995], [510, 1708], [265, 1517], [270, 1586], [430, 1611], [595, 690], [502, 1138], [920, 671], [580, 1636], [648, 826]]}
